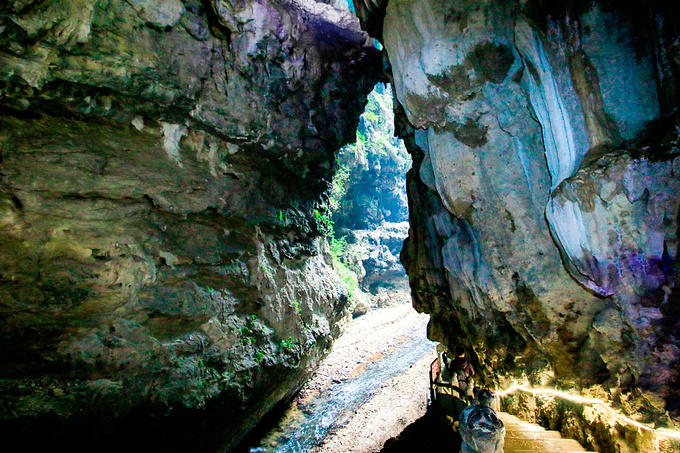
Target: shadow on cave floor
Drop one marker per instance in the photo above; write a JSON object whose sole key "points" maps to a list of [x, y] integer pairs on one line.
{"points": [[431, 432]]}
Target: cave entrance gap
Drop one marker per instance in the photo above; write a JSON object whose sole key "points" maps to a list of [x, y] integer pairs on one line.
{"points": [[369, 209], [382, 359]]}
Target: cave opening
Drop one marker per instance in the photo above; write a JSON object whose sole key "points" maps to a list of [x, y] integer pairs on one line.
{"points": [[382, 358], [369, 208]]}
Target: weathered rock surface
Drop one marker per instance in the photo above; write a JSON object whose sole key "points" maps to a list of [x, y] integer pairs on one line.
{"points": [[163, 282], [379, 249], [518, 112]]}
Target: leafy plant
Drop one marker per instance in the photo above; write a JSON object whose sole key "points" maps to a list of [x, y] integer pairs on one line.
{"points": [[296, 304], [338, 247], [324, 221], [288, 343], [248, 329], [338, 187]]}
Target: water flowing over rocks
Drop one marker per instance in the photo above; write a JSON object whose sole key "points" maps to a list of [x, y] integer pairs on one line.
{"points": [[164, 279]]}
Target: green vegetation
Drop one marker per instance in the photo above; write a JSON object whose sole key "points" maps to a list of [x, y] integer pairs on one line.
{"points": [[296, 305], [248, 330], [287, 344], [348, 278], [342, 266], [338, 187], [338, 247], [375, 134], [324, 221], [367, 172]]}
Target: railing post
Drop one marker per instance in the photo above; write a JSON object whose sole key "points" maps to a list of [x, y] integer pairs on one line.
{"points": [[433, 376]]}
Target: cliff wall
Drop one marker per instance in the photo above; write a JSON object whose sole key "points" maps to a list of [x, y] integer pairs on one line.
{"points": [[544, 194], [164, 279]]}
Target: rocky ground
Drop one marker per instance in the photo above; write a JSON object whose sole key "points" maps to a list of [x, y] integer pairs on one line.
{"points": [[398, 403]]}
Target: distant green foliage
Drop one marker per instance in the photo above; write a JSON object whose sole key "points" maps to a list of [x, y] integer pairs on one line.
{"points": [[375, 136], [377, 145], [338, 187], [323, 219], [288, 343], [371, 116]]}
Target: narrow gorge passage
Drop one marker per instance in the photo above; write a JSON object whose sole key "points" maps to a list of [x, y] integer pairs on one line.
{"points": [[372, 385], [192, 206]]}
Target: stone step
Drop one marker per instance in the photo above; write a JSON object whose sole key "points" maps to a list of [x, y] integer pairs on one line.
{"points": [[524, 437], [531, 434], [542, 445]]}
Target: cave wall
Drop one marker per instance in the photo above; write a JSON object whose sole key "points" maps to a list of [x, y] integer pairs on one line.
{"points": [[543, 196], [164, 279]]}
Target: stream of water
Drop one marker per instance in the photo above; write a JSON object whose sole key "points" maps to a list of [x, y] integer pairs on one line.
{"points": [[306, 427]]}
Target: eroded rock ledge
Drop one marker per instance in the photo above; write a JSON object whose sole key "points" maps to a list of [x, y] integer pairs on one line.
{"points": [[544, 194], [163, 281]]}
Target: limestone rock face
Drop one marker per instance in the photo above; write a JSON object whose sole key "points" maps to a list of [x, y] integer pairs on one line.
{"points": [[615, 222], [383, 245], [162, 279], [543, 221]]}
